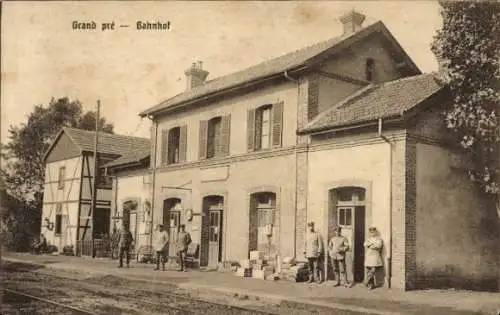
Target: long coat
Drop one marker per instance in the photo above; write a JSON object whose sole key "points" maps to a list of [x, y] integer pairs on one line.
{"points": [[313, 245], [373, 252]]}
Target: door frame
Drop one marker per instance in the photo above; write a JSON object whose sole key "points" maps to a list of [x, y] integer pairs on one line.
{"points": [[167, 209], [205, 211], [330, 205]]}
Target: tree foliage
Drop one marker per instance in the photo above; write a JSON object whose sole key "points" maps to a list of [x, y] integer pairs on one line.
{"points": [[468, 49], [23, 168]]}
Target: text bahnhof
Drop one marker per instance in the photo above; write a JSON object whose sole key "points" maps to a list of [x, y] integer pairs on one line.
{"points": [[140, 25]]}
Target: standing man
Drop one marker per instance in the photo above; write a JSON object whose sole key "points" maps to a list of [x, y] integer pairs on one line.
{"points": [[124, 243], [337, 247], [161, 243], [313, 248], [373, 257], [183, 241]]}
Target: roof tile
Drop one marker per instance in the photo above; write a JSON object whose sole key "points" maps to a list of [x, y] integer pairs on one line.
{"points": [[108, 143], [377, 101]]}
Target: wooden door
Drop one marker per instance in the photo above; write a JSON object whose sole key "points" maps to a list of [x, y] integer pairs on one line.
{"points": [[133, 226], [345, 221], [359, 239], [214, 237], [352, 222], [63, 239], [173, 228]]}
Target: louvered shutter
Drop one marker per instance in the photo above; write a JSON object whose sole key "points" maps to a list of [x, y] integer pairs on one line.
{"points": [[277, 128], [182, 143], [253, 225], [250, 129], [164, 146], [225, 135], [203, 139], [258, 128]]}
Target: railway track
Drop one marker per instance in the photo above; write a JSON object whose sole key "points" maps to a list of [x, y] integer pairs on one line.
{"points": [[161, 302], [9, 295]]}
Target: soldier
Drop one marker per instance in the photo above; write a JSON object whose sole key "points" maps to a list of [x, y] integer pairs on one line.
{"points": [[313, 248], [373, 257], [161, 243], [124, 243], [183, 241], [337, 247]]}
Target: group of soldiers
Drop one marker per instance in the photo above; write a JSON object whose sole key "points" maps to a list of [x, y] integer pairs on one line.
{"points": [[338, 245], [124, 240]]}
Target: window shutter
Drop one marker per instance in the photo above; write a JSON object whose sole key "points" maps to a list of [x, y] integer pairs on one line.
{"points": [[258, 128], [164, 146], [203, 139], [253, 224], [250, 129], [277, 123], [225, 135], [182, 143]]}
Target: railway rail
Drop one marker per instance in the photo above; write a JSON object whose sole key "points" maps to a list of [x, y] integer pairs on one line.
{"points": [[72, 310], [164, 301]]}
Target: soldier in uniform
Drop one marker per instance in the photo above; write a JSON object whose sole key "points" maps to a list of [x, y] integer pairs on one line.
{"points": [[313, 249], [337, 247], [183, 241], [373, 257], [160, 246], [124, 243]]}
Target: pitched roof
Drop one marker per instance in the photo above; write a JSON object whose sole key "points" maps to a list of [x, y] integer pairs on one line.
{"points": [[288, 62], [108, 143], [377, 101], [130, 157]]}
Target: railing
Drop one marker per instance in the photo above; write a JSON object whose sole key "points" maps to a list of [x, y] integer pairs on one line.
{"points": [[103, 248]]}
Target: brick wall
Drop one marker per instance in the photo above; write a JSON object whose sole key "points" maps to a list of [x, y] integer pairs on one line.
{"points": [[398, 215], [410, 213]]}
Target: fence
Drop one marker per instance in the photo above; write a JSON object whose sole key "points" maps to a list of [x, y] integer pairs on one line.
{"points": [[103, 248]]}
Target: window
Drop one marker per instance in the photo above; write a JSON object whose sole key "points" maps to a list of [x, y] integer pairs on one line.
{"points": [[58, 225], [214, 137], [369, 70], [62, 175], [173, 145], [344, 216], [264, 126]]}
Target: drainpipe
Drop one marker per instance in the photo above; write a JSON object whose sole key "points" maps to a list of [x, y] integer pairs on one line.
{"points": [[285, 74], [389, 254], [153, 178]]}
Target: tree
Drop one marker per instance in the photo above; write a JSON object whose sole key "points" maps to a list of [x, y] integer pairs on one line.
{"points": [[468, 49], [23, 168]]}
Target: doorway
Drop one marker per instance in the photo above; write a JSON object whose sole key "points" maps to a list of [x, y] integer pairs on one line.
{"points": [[261, 224], [172, 220], [212, 231], [349, 213]]}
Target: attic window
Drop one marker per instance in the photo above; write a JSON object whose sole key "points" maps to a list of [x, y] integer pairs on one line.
{"points": [[370, 67]]}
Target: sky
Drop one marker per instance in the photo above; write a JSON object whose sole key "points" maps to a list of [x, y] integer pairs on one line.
{"points": [[130, 70]]}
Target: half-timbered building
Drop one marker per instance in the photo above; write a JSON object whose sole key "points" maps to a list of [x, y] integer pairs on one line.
{"points": [[67, 217]]}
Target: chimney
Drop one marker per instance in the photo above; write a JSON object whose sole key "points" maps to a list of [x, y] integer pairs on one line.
{"points": [[352, 22], [195, 75]]}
